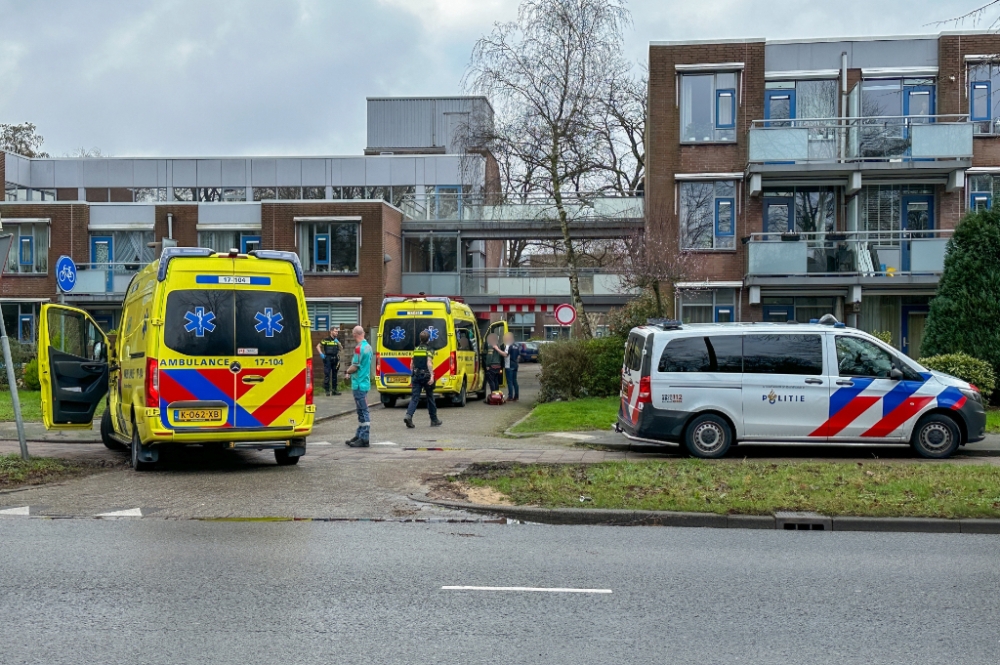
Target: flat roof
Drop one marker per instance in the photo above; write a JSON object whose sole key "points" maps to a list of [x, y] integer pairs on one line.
{"points": [[815, 40]]}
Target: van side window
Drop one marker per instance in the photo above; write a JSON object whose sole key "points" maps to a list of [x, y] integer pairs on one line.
{"points": [[465, 336], [859, 357], [633, 352], [783, 354], [716, 353]]}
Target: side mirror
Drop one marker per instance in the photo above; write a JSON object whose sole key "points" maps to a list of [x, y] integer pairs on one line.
{"points": [[896, 374]]}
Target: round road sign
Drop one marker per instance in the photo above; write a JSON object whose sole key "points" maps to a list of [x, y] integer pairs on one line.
{"points": [[65, 273], [565, 314]]}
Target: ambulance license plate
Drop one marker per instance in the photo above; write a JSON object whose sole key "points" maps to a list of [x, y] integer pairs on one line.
{"points": [[197, 415], [399, 378]]}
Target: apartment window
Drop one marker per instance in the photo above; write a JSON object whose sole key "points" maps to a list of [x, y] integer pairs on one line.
{"points": [[329, 246], [800, 210], [234, 194], [220, 194], [402, 192], [289, 193], [376, 193], [352, 193], [29, 248], [984, 97], [129, 248], [220, 241], [708, 214], [802, 309], [249, 243], [430, 253], [983, 190], [149, 194], [310, 193], [184, 194], [883, 207], [710, 306], [264, 194], [43, 195], [708, 107], [21, 317]]}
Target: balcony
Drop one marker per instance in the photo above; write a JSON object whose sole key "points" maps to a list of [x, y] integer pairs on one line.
{"points": [[591, 215], [851, 257], [103, 281], [889, 143], [514, 283]]}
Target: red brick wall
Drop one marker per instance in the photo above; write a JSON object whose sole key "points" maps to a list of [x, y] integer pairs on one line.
{"points": [[185, 223], [67, 235], [392, 221], [3, 167]]}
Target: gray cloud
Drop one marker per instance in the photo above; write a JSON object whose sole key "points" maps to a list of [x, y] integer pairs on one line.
{"points": [[190, 77]]}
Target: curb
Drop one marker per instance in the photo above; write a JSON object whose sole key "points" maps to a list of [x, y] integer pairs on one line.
{"points": [[608, 517], [521, 435]]}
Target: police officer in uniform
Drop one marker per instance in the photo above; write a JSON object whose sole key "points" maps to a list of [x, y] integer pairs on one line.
{"points": [[329, 350], [422, 377]]}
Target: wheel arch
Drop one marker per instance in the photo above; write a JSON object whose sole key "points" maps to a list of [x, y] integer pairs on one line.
{"points": [[963, 429], [714, 412]]}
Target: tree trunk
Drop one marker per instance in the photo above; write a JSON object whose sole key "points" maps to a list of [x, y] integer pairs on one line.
{"points": [[574, 276]]}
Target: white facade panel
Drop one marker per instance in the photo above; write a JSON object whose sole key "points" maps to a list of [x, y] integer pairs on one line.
{"points": [[289, 172], [120, 173], [313, 172], [377, 170], [43, 173], [334, 167], [95, 173], [184, 173], [429, 122], [262, 172], [220, 215], [352, 172], [145, 173], [105, 217], [67, 173], [233, 173], [209, 172], [418, 171], [402, 171], [448, 171]]}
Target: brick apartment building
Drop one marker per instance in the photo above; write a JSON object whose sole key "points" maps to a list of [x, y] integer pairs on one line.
{"points": [[342, 215], [816, 176]]}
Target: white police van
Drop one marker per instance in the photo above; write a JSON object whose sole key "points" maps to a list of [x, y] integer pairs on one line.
{"points": [[709, 386]]}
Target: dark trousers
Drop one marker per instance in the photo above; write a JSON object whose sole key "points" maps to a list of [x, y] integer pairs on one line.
{"points": [[493, 378], [512, 389], [422, 385], [331, 367]]}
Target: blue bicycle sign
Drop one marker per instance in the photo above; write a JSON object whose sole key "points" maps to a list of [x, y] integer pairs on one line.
{"points": [[65, 273]]}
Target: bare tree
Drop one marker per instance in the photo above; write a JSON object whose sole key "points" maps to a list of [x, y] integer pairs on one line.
{"points": [[22, 139], [547, 74], [622, 129], [86, 153], [977, 16], [649, 262]]}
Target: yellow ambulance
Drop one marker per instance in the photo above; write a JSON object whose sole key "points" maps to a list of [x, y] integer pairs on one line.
{"points": [[455, 339], [212, 349]]}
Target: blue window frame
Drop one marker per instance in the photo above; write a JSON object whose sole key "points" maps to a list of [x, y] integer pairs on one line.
{"points": [[26, 250], [725, 217], [779, 105], [26, 328], [249, 244], [980, 201], [724, 314], [918, 102], [980, 101], [322, 322], [725, 109], [321, 249]]}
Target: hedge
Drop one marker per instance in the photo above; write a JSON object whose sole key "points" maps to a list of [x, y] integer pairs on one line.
{"points": [[963, 366], [581, 368]]}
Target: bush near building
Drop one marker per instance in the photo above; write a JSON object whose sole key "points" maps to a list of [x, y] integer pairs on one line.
{"points": [[963, 366], [964, 314], [581, 368]]}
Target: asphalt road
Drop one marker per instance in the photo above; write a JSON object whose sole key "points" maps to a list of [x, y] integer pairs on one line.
{"points": [[159, 591]]}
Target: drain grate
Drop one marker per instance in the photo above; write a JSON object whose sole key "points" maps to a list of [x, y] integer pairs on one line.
{"points": [[791, 521]]}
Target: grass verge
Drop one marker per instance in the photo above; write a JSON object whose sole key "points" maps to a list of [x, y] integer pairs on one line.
{"points": [[38, 470], [577, 415], [993, 420], [870, 489], [31, 406]]}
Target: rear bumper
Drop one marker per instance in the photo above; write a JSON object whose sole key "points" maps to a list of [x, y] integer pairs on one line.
{"points": [[654, 425]]}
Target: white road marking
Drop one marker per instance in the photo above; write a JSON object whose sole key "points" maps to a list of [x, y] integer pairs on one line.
{"points": [[130, 512], [318, 443], [571, 435], [523, 588], [21, 511], [384, 443]]}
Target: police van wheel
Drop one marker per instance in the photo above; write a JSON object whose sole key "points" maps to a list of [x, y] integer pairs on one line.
{"points": [[935, 436], [107, 429], [708, 437], [462, 398], [137, 464]]}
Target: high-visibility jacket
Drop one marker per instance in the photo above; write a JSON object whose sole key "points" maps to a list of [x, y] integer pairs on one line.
{"points": [[331, 348], [423, 361]]}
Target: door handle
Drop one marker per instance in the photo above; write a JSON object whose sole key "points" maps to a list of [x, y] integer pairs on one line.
{"points": [[93, 367], [818, 382], [845, 383]]}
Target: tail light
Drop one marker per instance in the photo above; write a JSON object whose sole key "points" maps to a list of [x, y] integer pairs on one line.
{"points": [[974, 387], [645, 391], [378, 365], [309, 381], [152, 383], [453, 364]]}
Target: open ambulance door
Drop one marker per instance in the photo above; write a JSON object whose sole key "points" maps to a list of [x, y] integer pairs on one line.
{"points": [[498, 328], [72, 367]]}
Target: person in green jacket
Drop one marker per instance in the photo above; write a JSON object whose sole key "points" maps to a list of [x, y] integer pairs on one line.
{"points": [[493, 362]]}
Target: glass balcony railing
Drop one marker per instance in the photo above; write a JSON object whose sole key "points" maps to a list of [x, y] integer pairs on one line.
{"points": [[859, 140], [513, 282], [477, 208], [864, 253], [94, 279]]}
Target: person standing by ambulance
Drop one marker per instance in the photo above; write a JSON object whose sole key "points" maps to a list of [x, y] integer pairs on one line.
{"points": [[329, 351], [360, 373], [422, 377]]}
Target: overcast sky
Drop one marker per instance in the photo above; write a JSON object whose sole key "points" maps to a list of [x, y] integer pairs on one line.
{"points": [[208, 77]]}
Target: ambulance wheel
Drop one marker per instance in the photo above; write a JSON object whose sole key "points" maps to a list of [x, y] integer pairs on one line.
{"points": [[282, 458], [107, 430], [936, 436], [388, 402], [138, 465], [708, 437], [462, 397]]}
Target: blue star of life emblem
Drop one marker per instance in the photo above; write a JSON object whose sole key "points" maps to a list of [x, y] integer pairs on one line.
{"points": [[397, 334], [268, 322], [433, 332], [199, 321]]}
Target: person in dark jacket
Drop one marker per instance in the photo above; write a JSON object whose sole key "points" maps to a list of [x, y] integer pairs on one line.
{"points": [[422, 376], [329, 351], [493, 362], [510, 352]]}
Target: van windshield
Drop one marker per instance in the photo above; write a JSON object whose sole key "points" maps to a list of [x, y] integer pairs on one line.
{"points": [[400, 334], [219, 322]]}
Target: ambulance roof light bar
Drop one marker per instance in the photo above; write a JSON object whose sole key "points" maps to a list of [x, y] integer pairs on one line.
{"points": [[169, 253], [278, 255]]}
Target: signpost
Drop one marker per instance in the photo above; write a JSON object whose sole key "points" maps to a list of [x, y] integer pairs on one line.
{"points": [[5, 242], [565, 314]]}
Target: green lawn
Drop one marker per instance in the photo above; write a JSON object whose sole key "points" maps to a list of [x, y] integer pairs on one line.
{"points": [[14, 471], [753, 488], [993, 420], [575, 416], [31, 406]]}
